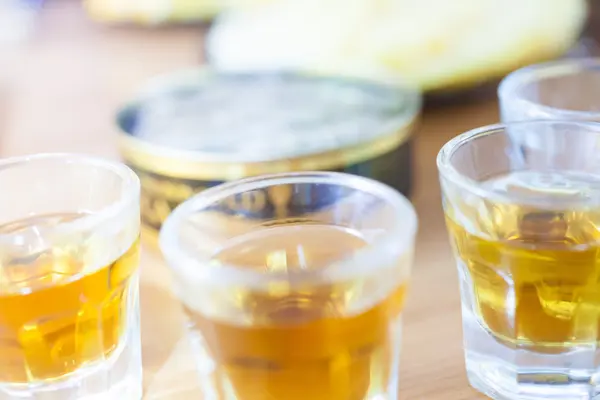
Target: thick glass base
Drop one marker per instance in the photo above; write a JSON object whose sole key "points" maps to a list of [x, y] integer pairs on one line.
{"points": [[117, 378], [503, 372], [501, 381]]}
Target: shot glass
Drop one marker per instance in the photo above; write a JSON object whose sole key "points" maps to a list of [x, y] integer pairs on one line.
{"points": [[69, 310], [564, 89], [294, 285], [523, 218]]}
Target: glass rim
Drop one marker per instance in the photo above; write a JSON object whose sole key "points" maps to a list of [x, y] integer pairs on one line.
{"points": [[129, 182], [401, 237], [508, 89], [448, 172]]}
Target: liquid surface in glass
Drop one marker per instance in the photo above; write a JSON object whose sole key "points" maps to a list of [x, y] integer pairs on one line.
{"points": [[335, 341], [534, 273], [55, 317]]}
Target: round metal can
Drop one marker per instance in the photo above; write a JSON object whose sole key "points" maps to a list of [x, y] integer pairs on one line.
{"points": [[198, 128]]}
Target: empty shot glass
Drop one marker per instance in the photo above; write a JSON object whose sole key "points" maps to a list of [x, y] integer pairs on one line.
{"points": [[69, 310], [563, 89], [523, 217], [294, 285]]}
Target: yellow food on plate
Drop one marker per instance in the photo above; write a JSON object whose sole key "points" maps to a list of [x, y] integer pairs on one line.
{"points": [[436, 44], [150, 12]]}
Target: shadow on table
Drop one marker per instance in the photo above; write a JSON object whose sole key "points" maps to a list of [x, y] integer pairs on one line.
{"points": [[163, 341], [176, 379]]}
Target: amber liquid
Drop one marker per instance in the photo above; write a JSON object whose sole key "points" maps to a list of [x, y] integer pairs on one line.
{"points": [[313, 343], [54, 316], [535, 275]]}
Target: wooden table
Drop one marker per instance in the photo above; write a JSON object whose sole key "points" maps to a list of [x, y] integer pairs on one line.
{"points": [[69, 83]]}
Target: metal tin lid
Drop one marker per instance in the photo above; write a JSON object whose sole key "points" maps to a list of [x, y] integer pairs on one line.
{"points": [[199, 124]]}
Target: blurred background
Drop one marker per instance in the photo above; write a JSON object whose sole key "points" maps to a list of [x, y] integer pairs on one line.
{"points": [[67, 65]]}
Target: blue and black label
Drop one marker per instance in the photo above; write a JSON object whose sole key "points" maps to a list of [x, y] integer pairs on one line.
{"points": [[161, 194]]}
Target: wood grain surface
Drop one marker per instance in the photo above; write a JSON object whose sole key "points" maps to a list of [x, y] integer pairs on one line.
{"points": [[69, 82]]}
